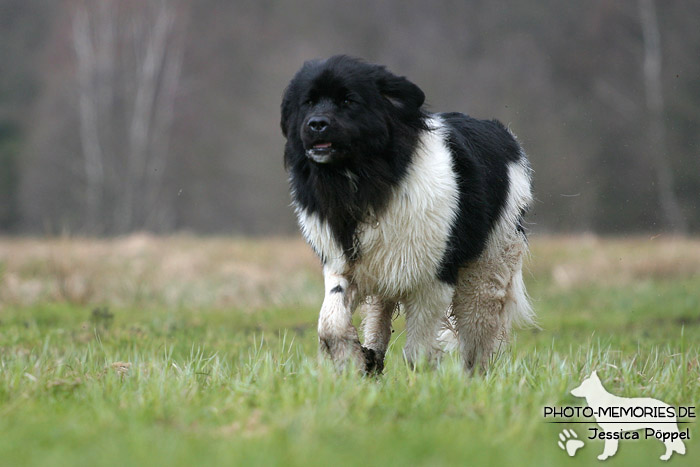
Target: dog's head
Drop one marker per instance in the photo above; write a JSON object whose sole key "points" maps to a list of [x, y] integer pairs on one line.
{"points": [[588, 386], [340, 110]]}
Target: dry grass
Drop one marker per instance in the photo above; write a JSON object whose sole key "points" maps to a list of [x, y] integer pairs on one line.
{"points": [[249, 274], [577, 261], [170, 271]]}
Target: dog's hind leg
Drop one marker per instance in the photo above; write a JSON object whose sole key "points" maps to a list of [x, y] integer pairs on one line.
{"points": [[489, 297], [477, 309], [376, 328]]}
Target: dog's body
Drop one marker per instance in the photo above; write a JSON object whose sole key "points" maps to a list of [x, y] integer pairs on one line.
{"points": [[405, 207], [598, 398]]}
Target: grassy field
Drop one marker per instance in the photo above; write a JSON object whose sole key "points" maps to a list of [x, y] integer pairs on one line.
{"points": [[192, 351]]}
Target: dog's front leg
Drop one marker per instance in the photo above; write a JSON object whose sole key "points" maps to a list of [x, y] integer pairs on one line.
{"points": [[337, 336], [425, 308], [376, 327]]}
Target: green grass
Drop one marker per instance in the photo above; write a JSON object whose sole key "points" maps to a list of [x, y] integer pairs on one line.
{"points": [[223, 385]]}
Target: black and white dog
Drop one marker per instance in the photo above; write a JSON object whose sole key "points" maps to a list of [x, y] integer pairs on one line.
{"points": [[405, 207]]}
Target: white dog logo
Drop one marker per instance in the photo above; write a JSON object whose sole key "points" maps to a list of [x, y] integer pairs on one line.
{"points": [[617, 415]]}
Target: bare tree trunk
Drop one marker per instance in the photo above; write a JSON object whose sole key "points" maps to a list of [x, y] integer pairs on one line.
{"points": [[671, 211], [158, 215], [128, 66], [92, 146], [140, 134]]}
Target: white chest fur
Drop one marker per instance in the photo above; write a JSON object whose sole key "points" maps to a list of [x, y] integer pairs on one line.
{"points": [[402, 248], [405, 247]]}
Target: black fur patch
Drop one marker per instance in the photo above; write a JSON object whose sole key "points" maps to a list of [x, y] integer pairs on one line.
{"points": [[481, 151], [337, 289]]}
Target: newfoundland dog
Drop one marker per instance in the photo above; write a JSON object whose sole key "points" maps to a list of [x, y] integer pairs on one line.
{"points": [[407, 210]]}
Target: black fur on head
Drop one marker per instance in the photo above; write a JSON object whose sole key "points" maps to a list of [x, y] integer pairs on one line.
{"points": [[351, 130]]}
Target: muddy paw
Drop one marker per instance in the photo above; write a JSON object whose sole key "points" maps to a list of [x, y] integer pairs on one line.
{"points": [[342, 351], [374, 361]]}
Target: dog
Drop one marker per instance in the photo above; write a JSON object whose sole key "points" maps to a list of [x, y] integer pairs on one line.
{"points": [[407, 210], [601, 401]]}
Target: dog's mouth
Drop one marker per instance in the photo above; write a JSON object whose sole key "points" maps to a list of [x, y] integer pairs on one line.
{"points": [[321, 153]]}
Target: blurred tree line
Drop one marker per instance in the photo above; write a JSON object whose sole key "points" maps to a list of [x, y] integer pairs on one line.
{"points": [[162, 115]]}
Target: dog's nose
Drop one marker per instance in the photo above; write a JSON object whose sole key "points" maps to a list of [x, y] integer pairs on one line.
{"points": [[318, 124]]}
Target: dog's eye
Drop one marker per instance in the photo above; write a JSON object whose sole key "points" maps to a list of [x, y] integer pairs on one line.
{"points": [[347, 101], [309, 102]]}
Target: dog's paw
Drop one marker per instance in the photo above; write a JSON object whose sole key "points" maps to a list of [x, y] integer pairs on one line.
{"points": [[569, 442], [374, 361], [344, 352]]}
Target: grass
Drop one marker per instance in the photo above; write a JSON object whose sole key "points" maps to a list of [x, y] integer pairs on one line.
{"points": [[183, 351]]}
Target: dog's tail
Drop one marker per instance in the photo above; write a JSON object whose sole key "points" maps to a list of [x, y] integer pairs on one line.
{"points": [[517, 308]]}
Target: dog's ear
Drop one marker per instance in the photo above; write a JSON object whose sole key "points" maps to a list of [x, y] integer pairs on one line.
{"points": [[286, 110], [594, 375], [400, 92]]}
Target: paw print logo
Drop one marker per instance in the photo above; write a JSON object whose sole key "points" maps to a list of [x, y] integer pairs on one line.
{"points": [[569, 442]]}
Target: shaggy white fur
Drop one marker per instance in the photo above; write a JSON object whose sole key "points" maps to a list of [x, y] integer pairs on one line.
{"points": [[402, 249]]}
